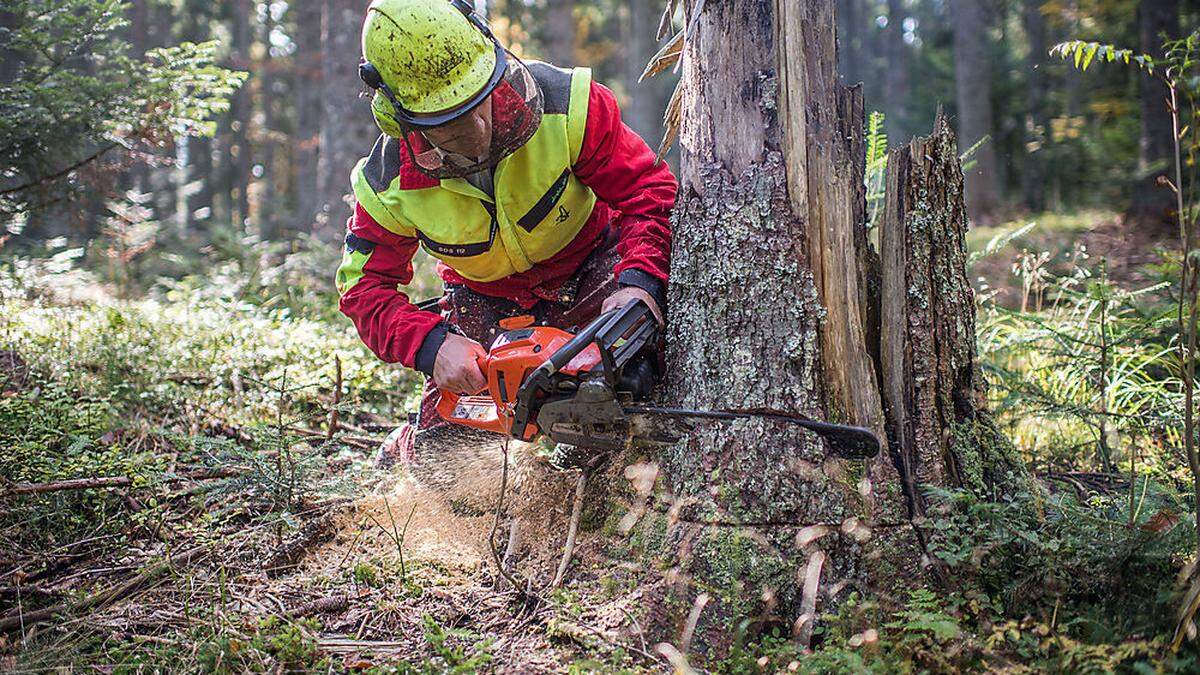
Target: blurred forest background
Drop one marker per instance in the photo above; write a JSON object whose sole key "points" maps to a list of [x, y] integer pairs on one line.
{"points": [[176, 383], [276, 162]]}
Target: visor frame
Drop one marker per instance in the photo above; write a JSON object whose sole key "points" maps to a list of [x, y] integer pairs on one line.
{"points": [[497, 152]]}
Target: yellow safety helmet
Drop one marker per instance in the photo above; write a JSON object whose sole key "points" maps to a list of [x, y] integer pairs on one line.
{"points": [[432, 61], [426, 56]]}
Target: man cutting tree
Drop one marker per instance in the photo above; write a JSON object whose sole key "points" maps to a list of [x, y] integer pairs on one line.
{"points": [[520, 178]]}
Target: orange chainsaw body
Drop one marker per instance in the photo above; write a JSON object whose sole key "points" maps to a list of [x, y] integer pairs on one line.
{"points": [[513, 356]]}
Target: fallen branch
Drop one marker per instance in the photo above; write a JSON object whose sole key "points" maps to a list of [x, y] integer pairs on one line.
{"points": [[314, 533], [104, 482], [19, 619], [342, 645]]}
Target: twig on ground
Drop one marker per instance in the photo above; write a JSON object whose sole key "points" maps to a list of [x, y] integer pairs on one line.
{"points": [[572, 529]]}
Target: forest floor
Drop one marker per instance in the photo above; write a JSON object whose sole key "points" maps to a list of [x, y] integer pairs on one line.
{"points": [[242, 536], [1052, 241]]}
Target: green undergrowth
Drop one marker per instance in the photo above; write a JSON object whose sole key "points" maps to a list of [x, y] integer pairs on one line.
{"points": [[1042, 583], [158, 391]]}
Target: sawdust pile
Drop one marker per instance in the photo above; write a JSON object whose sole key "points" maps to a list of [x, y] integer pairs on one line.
{"points": [[451, 489]]}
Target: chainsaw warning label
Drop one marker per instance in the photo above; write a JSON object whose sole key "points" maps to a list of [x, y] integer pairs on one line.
{"points": [[472, 411]]}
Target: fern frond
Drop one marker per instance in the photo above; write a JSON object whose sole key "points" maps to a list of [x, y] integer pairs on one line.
{"points": [[1083, 53]]}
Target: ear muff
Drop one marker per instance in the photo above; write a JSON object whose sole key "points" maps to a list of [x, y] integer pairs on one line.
{"points": [[383, 107], [385, 116]]}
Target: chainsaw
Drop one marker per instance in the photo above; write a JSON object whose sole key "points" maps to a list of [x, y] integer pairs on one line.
{"points": [[590, 390]]}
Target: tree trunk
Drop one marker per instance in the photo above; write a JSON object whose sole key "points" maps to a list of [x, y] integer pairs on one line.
{"points": [[197, 186], [932, 384], [558, 33], [10, 58], [768, 309], [1037, 121], [896, 90], [1158, 21], [272, 193], [775, 302], [307, 89], [238, 161], [973, 84], [347, 129]]}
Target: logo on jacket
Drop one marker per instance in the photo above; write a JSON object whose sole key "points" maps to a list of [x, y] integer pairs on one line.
{"points": [[563, 214]]}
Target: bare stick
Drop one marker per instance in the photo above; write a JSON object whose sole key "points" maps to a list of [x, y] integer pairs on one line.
{"points": [[337, 398], [102, 482], [569, 546], [496, 523]]}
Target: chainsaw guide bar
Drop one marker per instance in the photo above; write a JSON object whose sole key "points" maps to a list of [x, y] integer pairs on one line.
{"points": [[587, 390]]}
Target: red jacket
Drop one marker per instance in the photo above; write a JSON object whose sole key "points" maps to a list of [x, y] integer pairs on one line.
{"points": [[633, 194]]}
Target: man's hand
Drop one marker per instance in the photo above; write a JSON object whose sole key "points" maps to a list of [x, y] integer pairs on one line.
{"points": [[622, 297], [455, 368]]}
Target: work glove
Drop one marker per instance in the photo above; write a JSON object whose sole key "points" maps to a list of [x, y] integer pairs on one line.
{"points": [[627, 293]]}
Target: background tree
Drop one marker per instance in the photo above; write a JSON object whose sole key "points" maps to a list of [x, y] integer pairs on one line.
{"points": [[973, 87], [1158, 22], [1037, 122], [347, 129]]}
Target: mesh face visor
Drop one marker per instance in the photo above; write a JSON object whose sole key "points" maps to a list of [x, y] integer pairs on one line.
{"points": [[516, 113]]}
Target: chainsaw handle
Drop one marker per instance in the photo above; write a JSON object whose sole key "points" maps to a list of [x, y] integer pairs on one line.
{"points": [[563, 355]]}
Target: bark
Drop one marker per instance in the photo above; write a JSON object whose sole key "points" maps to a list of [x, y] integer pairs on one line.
{"points": [[897, 88], [307, 86], [973, 86], [347, 129], [1037, 119], [1158, 21], [558, 34], [934, 391]]}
